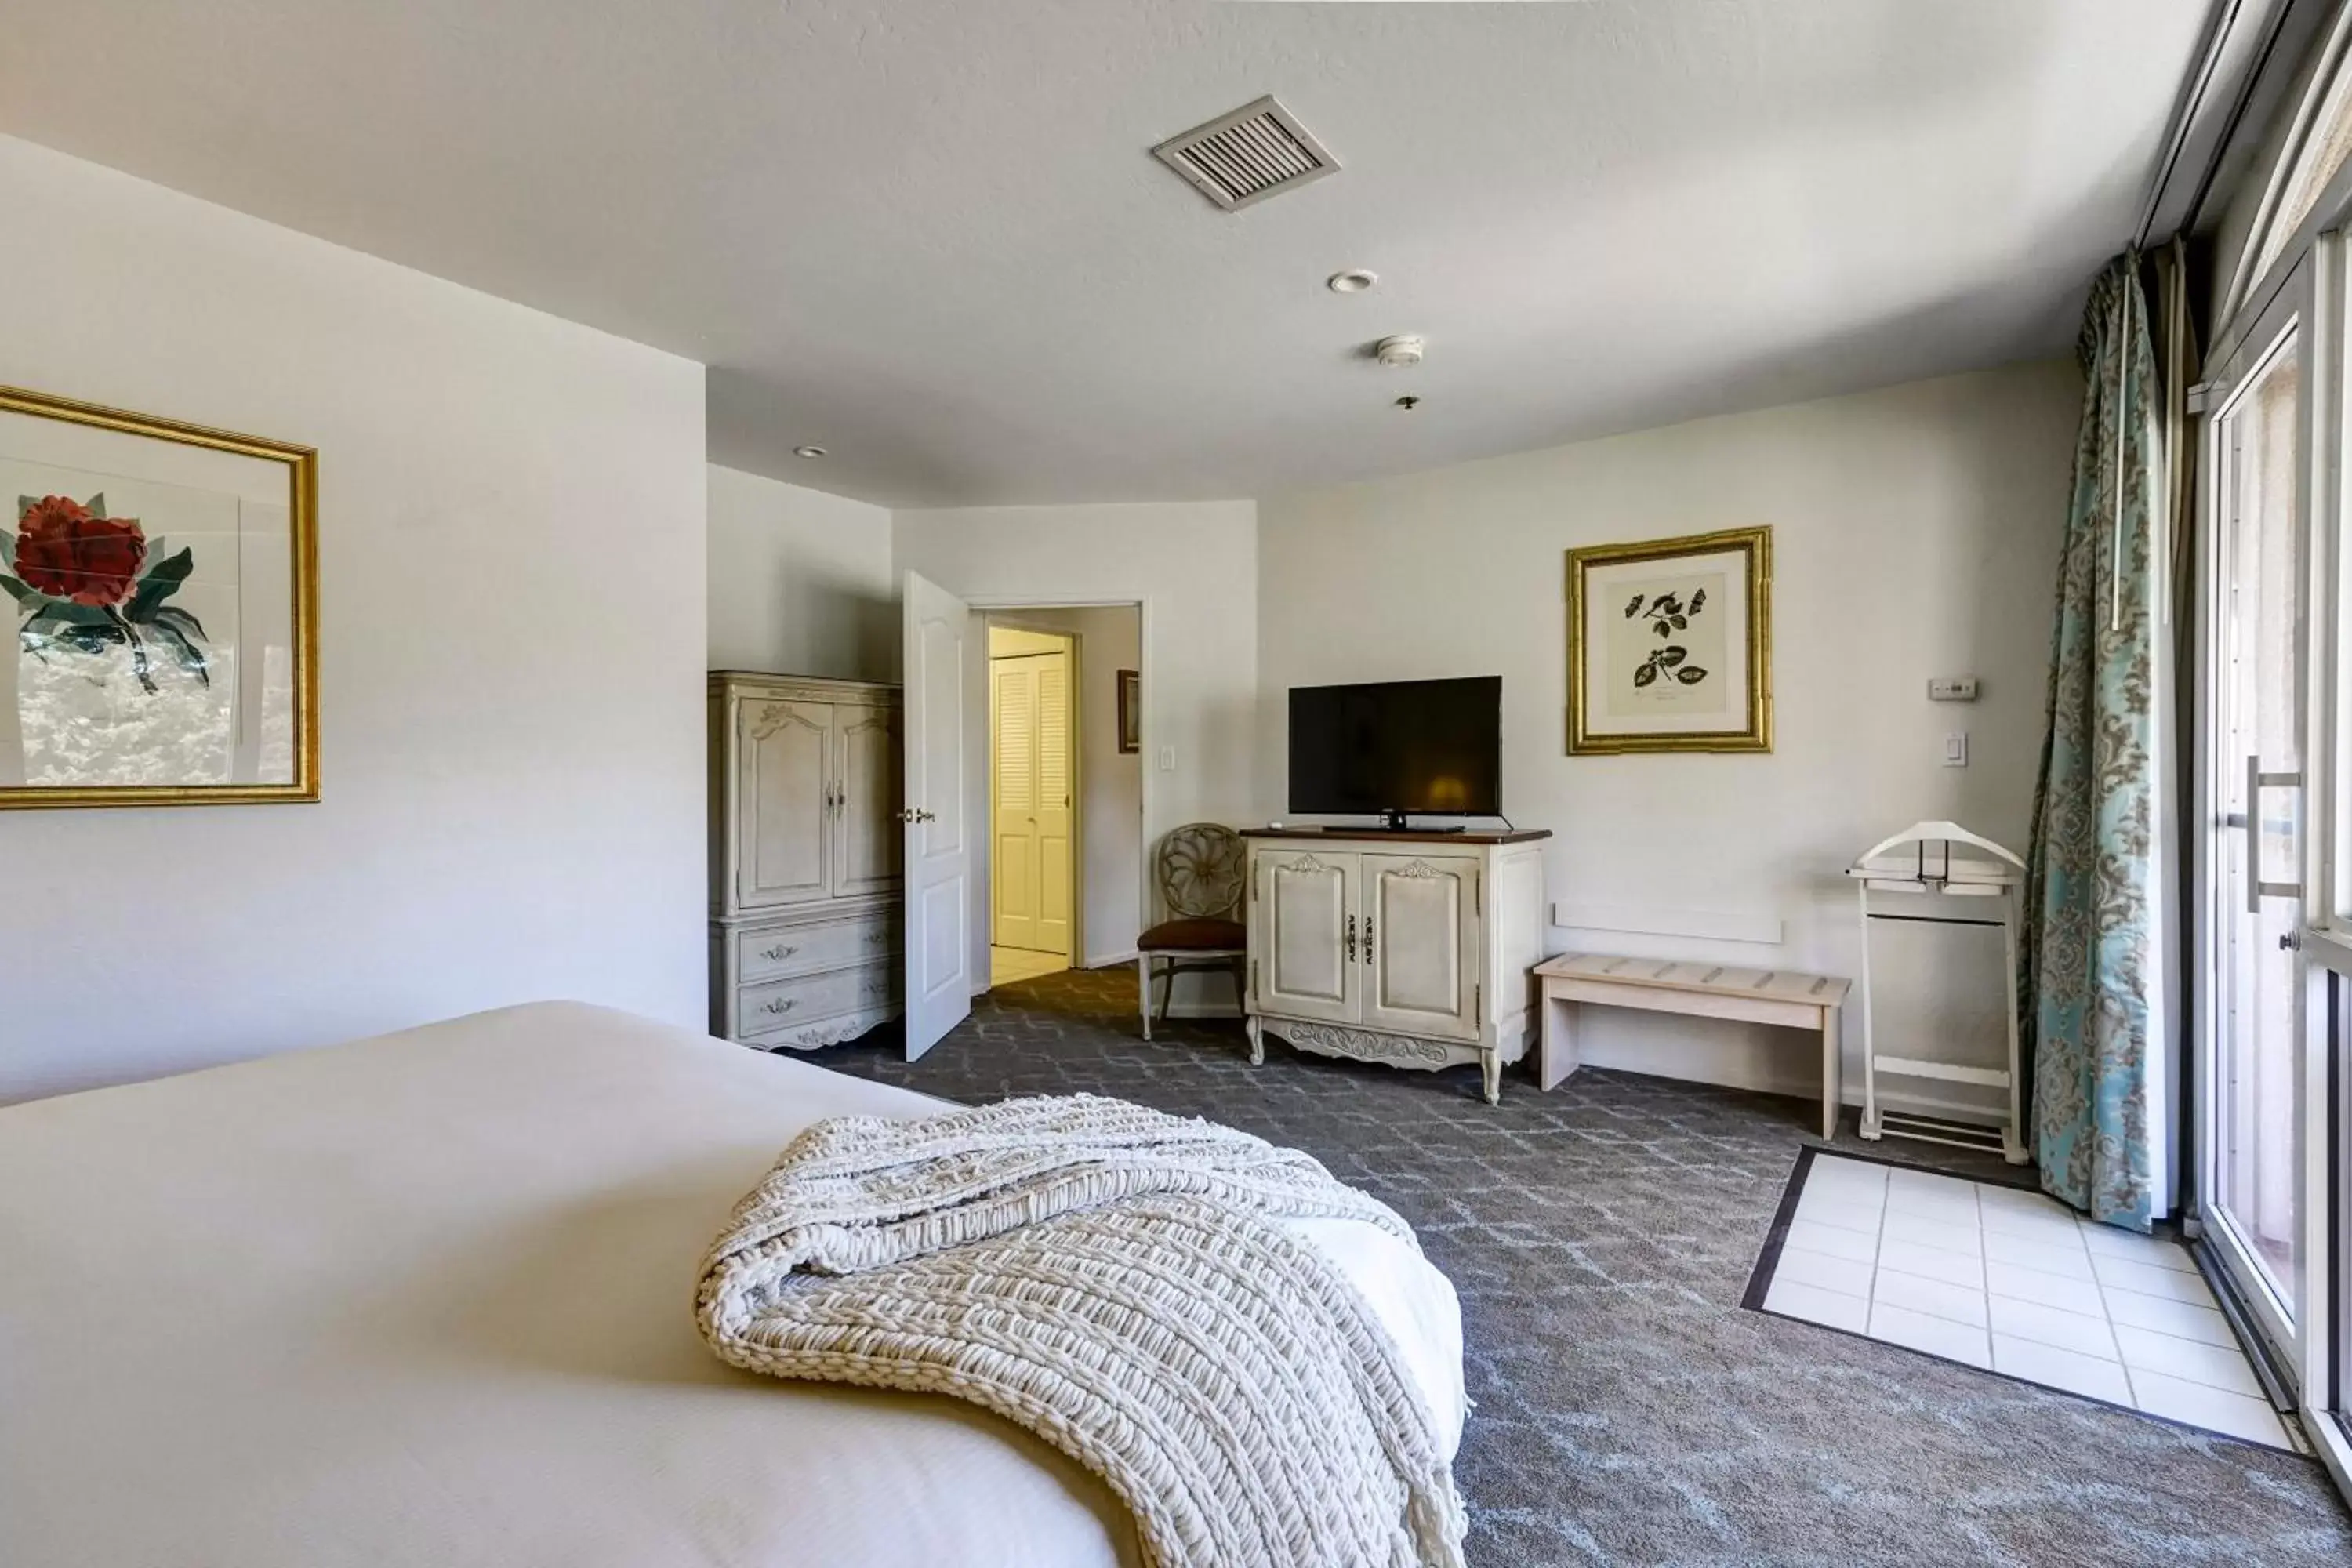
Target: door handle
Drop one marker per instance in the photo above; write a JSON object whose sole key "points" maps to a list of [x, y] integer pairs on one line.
{"points": [[1368, 939], [1351, 939], [2258, 781], [916, 814]]}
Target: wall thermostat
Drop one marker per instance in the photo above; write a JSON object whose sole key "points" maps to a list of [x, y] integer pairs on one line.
{"points": [[1953, 688]]}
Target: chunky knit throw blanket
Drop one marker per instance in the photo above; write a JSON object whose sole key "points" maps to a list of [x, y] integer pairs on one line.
{"points": [[1114, 1279]]}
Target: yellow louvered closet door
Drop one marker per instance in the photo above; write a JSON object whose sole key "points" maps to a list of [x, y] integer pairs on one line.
{"points": [[1030, 701]]}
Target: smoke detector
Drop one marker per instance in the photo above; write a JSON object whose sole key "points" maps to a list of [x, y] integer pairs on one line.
{"points": [[1399, 352], [1259, 151]]}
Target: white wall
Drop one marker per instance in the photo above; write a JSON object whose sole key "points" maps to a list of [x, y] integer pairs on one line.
{"points": [[1915, 534], [1193, 567], [511, 549], [800, 580], [1110, 782]]}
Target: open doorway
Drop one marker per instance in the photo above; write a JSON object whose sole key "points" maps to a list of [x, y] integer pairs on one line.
{"points": [[1059, 883]]}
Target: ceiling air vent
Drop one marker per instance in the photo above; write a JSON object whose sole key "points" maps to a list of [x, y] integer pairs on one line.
{"points": [[1259, 151]]}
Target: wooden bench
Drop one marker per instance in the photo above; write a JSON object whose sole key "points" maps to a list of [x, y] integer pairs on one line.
{"points": [[1781, 996]]}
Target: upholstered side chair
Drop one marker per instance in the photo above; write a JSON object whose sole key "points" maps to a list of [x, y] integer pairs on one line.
{"points": [[1200, 869]]}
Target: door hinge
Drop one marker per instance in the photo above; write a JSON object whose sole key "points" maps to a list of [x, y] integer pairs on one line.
{"points": [[1253, 989], [1477, 1001], [1477, 894]]}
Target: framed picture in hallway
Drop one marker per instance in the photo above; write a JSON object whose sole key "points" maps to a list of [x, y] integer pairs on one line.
{"points": [[1670, 645], [1130, 710], [160, 581]]}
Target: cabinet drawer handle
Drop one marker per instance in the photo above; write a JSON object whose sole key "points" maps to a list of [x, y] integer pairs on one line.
{"points": [[1351, 939], [877, 938], [1368, 939], [779, 1006], [778, 953]]}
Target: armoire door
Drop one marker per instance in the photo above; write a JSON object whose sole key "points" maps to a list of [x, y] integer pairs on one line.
{"points": [[1303, 936], [783, 828], [867, 843], [1029, 698], [1420, 944]]}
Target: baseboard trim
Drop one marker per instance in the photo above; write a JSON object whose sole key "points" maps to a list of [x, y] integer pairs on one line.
{"points": [[1114, 960]]}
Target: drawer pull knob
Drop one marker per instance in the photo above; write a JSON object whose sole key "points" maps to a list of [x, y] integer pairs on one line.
{"points": [[778, 953], [877, 938], [777, 1005]]}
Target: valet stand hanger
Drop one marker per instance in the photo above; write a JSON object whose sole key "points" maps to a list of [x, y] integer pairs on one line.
{"points": [[1891, 878]]}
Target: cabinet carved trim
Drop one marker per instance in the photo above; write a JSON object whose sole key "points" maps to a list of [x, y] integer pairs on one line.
{"points": [[1362, 1045]]}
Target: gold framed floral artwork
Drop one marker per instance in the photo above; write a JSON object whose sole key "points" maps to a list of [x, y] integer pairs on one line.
{"points": [[1670, 645], [162, 585]]}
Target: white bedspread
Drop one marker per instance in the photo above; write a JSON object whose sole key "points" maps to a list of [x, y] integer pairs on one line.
{"points": [[302, 1312]]}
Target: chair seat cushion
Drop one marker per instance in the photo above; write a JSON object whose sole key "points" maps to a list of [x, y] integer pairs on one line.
{"points": [[1193, 936]]}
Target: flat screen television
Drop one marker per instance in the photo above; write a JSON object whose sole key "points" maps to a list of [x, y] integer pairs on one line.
{"points": [[1393, 748]]}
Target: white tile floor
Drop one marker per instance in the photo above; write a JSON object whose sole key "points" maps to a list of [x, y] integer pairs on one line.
{"points": [[1008, 964], [2013, 1282]]}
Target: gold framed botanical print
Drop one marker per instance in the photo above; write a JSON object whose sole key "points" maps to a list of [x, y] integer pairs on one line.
{"points": [[1670, 645], [161, 584]]}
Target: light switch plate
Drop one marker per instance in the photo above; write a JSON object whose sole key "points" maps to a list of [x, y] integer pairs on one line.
{"points": [[1956, 748], [1952, 688], [1167, 758]]}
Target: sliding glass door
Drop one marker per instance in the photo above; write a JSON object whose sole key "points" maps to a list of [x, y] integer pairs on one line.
{"points": [[2253, 1113]]}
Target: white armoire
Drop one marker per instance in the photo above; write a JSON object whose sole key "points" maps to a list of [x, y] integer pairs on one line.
{"points": [[804, 858], [1408, 948]]}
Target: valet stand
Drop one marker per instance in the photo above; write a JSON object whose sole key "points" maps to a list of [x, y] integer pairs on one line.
{"points": [[1968, 890]]}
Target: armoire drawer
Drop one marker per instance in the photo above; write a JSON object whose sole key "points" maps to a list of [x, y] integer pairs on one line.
{"points": [[778, 1003], [780, 951]]}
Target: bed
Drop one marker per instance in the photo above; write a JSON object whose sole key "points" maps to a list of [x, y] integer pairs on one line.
{"points": [[428, 1298]]}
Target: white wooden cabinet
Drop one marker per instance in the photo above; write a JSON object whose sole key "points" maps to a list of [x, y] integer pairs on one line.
{"points": [[1404, 947], [804, 858]]}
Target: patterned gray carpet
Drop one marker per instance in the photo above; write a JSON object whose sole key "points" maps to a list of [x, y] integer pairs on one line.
{"points": [[1628, 1411]]}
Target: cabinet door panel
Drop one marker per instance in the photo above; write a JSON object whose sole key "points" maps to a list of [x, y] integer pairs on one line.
{"points": [[786, 758], [1299, 937], [868, 844], [1421, 943]]}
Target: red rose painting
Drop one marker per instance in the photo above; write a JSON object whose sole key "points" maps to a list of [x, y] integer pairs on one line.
{"points": [[86, 581], [68, 553]]}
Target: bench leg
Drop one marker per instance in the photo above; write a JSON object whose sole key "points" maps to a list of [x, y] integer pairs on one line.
{"points": [[1556, 1056], [1832, 1074]]}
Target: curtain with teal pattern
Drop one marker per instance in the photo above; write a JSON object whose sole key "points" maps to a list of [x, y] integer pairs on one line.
{"points": [[2090, 970]]}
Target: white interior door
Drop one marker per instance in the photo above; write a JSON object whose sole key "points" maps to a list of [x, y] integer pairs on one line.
{"points": [[1029, 698], [938, 651]]}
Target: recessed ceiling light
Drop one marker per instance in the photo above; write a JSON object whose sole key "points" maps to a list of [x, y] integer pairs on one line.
{"points": [[808, 451], [1355, 281]]}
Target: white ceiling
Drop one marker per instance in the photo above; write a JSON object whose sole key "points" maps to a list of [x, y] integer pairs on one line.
{"points": [[929, 235]]}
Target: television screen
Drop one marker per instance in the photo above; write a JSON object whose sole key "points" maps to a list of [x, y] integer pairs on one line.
{"points": [[1432, 748]]}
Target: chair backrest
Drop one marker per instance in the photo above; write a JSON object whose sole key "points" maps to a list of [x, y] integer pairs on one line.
{"points": [[1200, 870]]}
